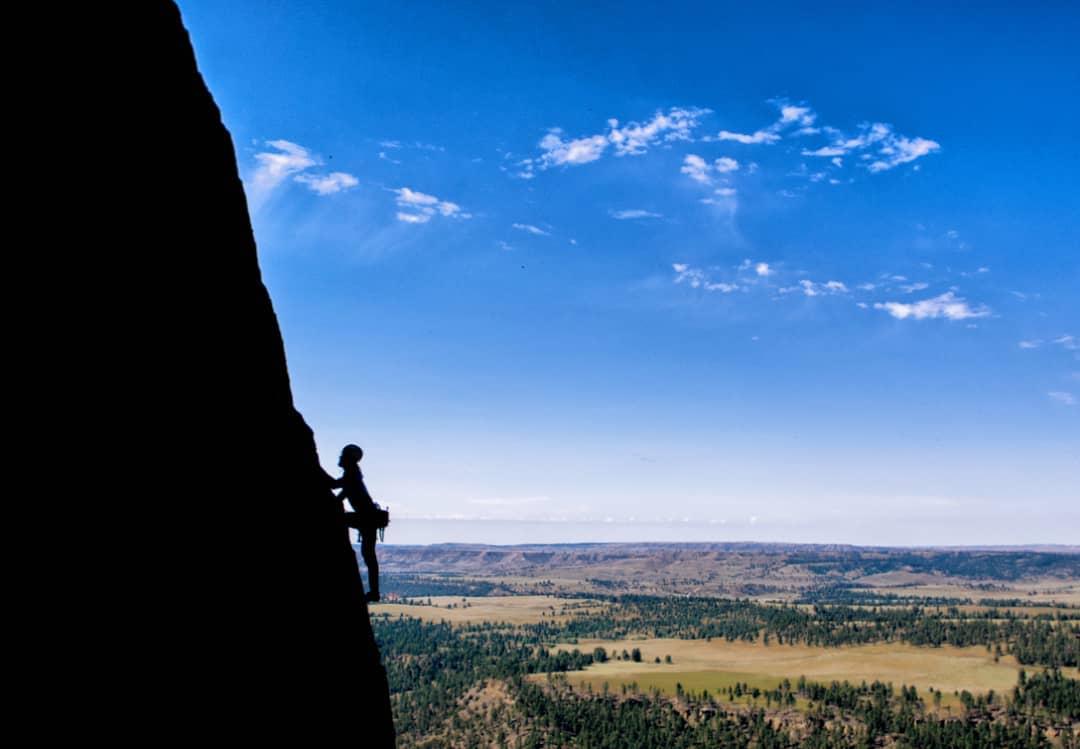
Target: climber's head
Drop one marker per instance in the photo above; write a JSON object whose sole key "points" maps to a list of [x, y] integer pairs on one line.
{"points": [[350, 455]]}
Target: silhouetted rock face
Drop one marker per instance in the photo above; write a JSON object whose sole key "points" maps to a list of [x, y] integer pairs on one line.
{"points": [[177, 569]]}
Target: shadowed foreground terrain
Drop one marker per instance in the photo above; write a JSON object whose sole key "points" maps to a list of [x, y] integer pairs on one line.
{"points": [[178, 570]]}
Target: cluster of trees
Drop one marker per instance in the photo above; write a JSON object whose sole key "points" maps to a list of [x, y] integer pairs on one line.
{"points": [[847, 717], [431, 666], [854, 594], [1048, 692], [556, 715]]}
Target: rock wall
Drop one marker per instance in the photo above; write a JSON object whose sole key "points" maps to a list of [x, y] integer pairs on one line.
{"points": [[175, 568]]}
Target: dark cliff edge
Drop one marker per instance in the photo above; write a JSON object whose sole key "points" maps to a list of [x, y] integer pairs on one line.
{"points": [[175, 568]]}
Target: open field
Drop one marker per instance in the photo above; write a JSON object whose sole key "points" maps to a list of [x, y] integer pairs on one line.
{"points": [[504, 609], [703, 665], [1036, 591]]}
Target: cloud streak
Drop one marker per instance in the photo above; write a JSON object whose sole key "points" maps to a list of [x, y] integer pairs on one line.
{"points": [[418, 208], [530, 229], [287, 159], [947, 306], [631, 139], [878, 144], [634, 213]]}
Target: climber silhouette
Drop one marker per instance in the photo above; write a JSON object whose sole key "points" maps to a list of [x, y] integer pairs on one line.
{"points": [[364, 515]]}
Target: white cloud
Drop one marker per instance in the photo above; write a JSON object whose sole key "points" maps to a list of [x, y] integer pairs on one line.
{"points": [[1030, 344], [763, 269], [575, 152], [1068, 342], [792, 114], [761, 136], [947, 305], [811, 288], [329, 183], [276, 166], [532, 229], [726, 164], [834, 151], [701, 171], [288, 159], [901, 151], [1067, 399], [696, 168], [419, 208], [696, 278], [725, 192], [633, 213], [634, 139], [911, 288], [879, 144], [631, 139]]}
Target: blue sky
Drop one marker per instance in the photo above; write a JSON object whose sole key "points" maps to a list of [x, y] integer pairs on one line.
{"points": [[767, 272]]}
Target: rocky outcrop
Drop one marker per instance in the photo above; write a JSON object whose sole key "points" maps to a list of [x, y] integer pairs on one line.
{"points": [[175, 567]]}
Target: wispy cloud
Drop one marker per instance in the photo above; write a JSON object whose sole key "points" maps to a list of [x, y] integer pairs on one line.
{"points": [[791, 116], [634, 138], [532, 229], [633, 213], [814, 288], [696, 168], [947, 305], [1068, 342], [419, 208], [1062, 397], [288, 159], [275, 166], [328, 184], [911, 288], [877, 144], [1033, 344], [699, 170], [696, 278], [631, 139], [759, 136]]}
